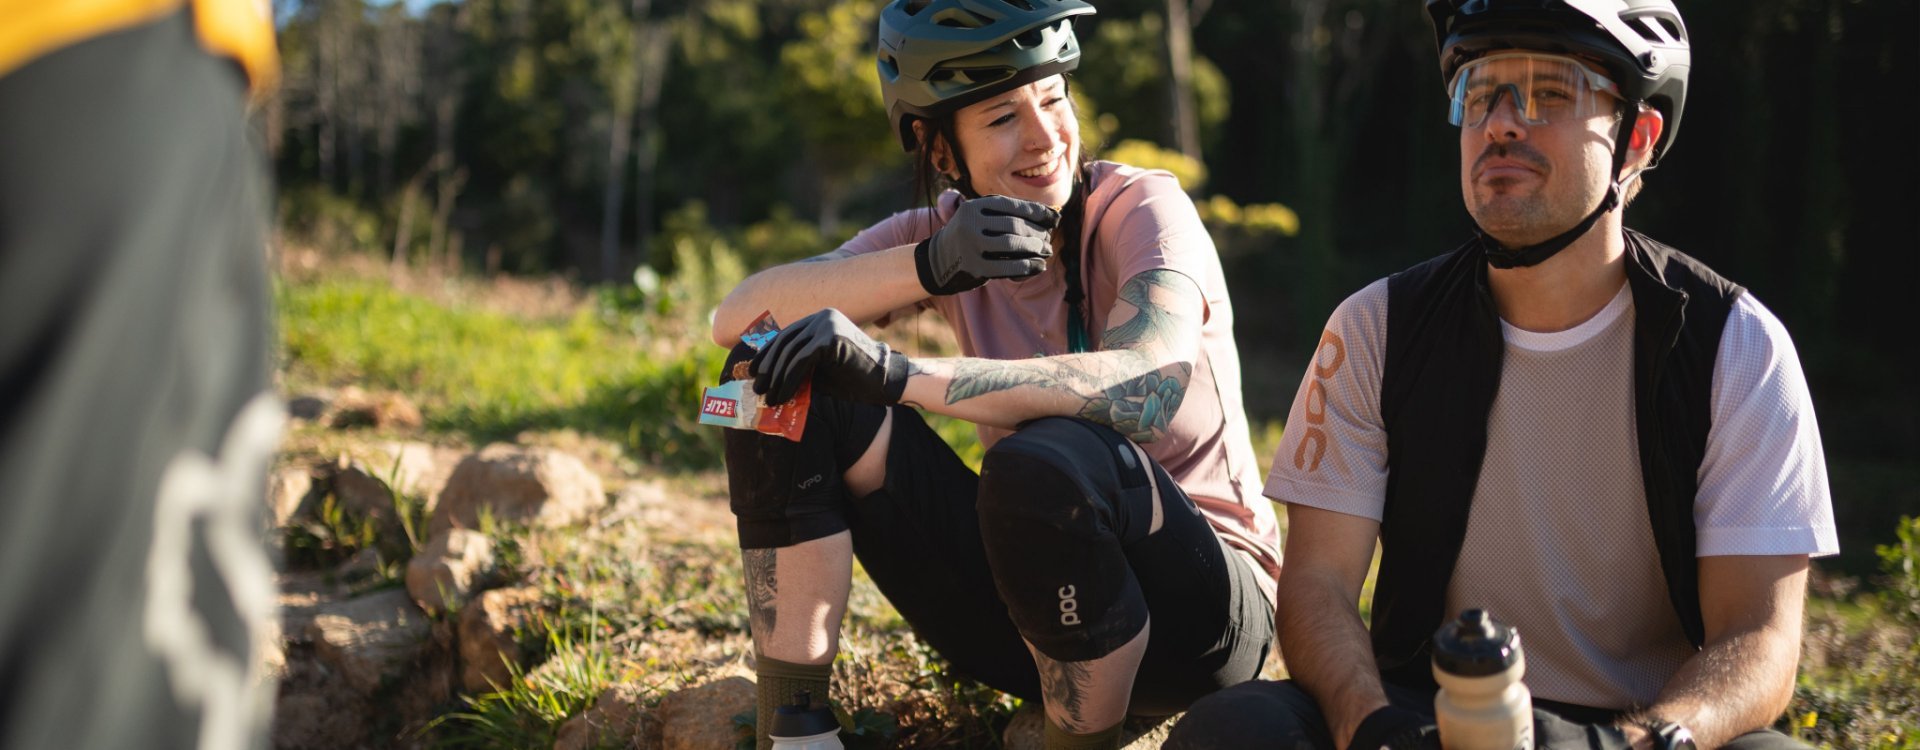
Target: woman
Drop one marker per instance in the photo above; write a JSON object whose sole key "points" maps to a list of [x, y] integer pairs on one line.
{"points": [[1114, 554]]}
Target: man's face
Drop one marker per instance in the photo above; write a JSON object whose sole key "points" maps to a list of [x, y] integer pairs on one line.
{"points": [[1523, 181]]}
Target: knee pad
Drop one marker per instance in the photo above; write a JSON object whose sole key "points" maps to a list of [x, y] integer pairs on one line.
{"points": [[1059, 500], [783, 492]]}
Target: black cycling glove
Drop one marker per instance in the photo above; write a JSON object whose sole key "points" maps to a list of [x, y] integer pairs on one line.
{"points": [[1551, 731], [993, 237], [840, 359], [1395, 729]]}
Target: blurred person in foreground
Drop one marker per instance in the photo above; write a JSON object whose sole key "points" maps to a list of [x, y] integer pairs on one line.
{"points": [[1563, 422], [136, 420], [1113, 555]]}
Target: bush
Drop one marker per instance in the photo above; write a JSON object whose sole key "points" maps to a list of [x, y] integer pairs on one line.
{"points": [[1859, 685]]}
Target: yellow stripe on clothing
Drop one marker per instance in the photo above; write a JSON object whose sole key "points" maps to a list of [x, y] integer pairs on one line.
{"points": [[240, 29]]}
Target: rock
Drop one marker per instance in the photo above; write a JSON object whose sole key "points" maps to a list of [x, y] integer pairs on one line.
{"points": [[445, 571], [487, 636], [371, 638], [386, 411], [539, 485], [307, 407], [362, 567], [318, 719], [1027, 730], [702, 717], [619, 718], [646, 502], [416, 469], [287, 492]]}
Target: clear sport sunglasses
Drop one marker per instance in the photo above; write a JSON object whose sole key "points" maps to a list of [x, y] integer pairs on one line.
{"points": [[1543, 89]]}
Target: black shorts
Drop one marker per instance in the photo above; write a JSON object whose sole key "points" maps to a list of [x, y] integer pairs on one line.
{"points": [[919, 539]]}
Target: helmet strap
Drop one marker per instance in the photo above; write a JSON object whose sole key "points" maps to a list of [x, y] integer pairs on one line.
{"points": [[1503, 257]]}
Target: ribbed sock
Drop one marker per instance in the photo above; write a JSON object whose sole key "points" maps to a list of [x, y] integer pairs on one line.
{"points": [[1061, 739], [777, 682]]}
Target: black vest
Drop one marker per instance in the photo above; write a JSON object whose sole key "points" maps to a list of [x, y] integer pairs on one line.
{"points": [[1442, 370]]}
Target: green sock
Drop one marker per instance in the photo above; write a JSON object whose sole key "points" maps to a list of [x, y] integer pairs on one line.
{"points": [[1105, 739], [777, 682]]}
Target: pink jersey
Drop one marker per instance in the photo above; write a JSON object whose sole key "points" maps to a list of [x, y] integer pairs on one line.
{"points": [[1136, 220]]}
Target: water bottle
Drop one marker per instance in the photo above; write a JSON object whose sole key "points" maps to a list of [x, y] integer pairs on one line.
{"points": [[1482, 705], [804, 726]]}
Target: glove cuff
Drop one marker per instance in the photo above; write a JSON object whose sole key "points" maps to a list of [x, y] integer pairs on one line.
{"points": [[923, 265], [1389, 727], [894, 380]]}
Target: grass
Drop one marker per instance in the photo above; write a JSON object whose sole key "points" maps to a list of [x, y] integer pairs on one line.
{"points": [[488, 375]]}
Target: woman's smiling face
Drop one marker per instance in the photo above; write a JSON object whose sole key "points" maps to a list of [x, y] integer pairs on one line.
{"points": [[1023, 144]]}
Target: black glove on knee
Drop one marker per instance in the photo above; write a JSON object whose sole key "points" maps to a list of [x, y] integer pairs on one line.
{"points": [[993, 237], [838, 357], [1395, 729]]}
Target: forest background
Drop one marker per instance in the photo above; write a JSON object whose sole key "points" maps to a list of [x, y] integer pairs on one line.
{"points": [[594, 138]]}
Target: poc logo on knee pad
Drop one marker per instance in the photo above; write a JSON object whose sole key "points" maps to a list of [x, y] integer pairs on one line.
{"points": [[1069, 606]]}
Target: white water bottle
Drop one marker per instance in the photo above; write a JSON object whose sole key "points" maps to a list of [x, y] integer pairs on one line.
{"points": [[804, 726], [1482, 704]]}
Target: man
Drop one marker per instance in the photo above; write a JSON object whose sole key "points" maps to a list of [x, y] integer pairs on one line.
{"points": [[1563, 422], [136, 420]]}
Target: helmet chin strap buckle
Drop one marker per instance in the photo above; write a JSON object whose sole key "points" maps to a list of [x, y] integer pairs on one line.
{"points": [[1503, 257]]}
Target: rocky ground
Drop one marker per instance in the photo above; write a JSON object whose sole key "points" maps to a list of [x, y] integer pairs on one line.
{"points": [[547, 592]]}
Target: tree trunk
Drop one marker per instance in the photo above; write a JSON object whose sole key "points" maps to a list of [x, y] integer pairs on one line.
{"points": [[653, 75], [611, 198], [1186, 124]]}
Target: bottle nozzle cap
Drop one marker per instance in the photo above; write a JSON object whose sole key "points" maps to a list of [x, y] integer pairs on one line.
{"points": [[802, 718], [1475, 644]]}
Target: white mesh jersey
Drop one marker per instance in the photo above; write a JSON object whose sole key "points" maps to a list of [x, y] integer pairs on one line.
{"points": [[1558, 541]]}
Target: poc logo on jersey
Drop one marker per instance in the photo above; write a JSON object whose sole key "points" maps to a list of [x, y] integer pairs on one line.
{"points": [[1327, 359], [1069, 606], [720, 407]]}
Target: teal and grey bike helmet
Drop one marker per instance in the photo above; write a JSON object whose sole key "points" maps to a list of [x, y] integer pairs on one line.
{"points": [[936, 56], [1642, 44]]}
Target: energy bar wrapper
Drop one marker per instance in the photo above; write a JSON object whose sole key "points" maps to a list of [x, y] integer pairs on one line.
{"points": [[733, 404]]}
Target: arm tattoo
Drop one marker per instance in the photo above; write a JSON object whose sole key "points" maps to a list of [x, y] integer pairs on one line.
{"points": [[1140, 408], [758, 566], [1122, 386], [979, 377], [1065, 686], [1152, 324]]}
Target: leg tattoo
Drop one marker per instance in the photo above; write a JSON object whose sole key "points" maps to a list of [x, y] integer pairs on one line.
{"points": [[1066, 687], [762, 586]]}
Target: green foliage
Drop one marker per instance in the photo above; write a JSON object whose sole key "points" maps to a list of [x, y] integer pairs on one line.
{"points": [[1901, 563], [1221, 214], [333, 534], [330, 220], [1859, 685], [490, 375], [1144, 154], [529, 710], [1127, 72]]}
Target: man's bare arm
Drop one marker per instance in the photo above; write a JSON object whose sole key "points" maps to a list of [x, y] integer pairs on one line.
{"points": [[1321, 636], [1743, 677]]}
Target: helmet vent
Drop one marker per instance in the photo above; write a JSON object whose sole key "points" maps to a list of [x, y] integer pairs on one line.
{"points": [[1021, 4], [959, 18], [913, 7], [1662, 30], [1028, 39]]}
